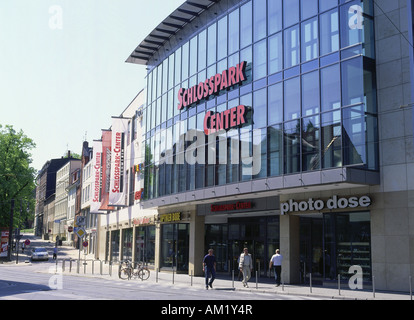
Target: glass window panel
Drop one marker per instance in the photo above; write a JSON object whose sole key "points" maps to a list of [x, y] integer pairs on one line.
{"points": [[193, 56], [308, 8], [222, 38], [177, 66], [275, 51], [354, 136], [212, 44], [274, 15], [309, 40], [292, 47], [310, 93], [331, 139], [159, 81], [202, 50], [352, 82], [292, 99], [352, 24], [259, 112], [330, 88], [290, 12], [329, 32], [186, 59], [275, 104], [260, 152], [259, 19], [165, 76], [327, 4], [260, 60], [164, 109], [292, 146], [234, 33], [275, 142], [310, 143], [246, 32], [171, 71]]}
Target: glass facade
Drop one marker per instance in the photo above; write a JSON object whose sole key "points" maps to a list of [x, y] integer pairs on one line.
{"points": [[310, 96]]}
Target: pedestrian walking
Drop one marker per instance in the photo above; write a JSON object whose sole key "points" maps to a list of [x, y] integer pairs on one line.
{"points": [[246, 266], [276, 262], [55, 253], [209, 268], [23, 247]]}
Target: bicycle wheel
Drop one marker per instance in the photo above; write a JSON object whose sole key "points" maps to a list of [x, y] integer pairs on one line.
{"points": [[124, 273], [144, 273]]}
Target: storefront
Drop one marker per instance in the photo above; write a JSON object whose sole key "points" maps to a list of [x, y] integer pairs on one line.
{"points": [[334, 235], [174, 242], [249, 223]]}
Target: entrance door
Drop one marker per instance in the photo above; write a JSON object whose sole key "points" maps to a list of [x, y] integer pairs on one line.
{"points": [[312, 249], [257, 251]]}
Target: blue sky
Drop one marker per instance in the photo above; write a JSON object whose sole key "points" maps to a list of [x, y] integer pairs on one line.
{"points": [[59, 84]]}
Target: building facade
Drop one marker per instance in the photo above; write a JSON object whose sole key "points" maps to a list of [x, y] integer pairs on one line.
{"points": [[282, 124]]}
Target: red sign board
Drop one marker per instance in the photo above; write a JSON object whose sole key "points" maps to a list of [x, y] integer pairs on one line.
{"points": [[221, 81], [225, 120], [232, 206], [4, 243]]}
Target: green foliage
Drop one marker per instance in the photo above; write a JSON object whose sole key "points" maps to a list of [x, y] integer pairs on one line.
{"points": [[17, 178]]}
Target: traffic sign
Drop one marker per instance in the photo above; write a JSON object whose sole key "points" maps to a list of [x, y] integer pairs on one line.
{"points": [[80, 232], [85, 244], [27, 242]]}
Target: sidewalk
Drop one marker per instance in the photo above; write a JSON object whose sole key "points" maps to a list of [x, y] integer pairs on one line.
{"points": [[90, 267]]}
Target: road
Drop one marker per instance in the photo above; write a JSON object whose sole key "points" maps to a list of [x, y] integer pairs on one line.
{"points": [[38, 281]]}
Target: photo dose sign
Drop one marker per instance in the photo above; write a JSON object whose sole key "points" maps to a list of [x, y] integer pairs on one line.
{"points": [[331, 204]]}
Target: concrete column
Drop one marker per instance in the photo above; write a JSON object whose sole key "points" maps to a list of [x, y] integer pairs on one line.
{"points": [[196, 253], [290, 248]]}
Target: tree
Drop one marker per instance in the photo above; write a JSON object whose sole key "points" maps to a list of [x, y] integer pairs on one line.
{"points": [[17, 178]]}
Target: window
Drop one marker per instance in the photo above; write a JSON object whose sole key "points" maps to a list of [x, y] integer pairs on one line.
{"points": [[292, 47], [329, 32], [222, 38], [290, 12], [330, 88], [247, 25], [292, 99], [309, 40], [259, 19], [310, 93], [275, 104], [212, 44], [275, 52], [234, 31], [274, 15], [308, 8], [260, 60]]}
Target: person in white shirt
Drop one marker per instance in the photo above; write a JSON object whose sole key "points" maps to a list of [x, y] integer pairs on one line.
{"points": [[246, 266], [276, 261]]}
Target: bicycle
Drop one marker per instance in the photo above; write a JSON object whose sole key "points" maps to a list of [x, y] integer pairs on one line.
{"points": [[127, 271]]}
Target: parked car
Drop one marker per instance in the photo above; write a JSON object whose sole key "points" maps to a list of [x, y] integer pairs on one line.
{"points": [[39, 254]]}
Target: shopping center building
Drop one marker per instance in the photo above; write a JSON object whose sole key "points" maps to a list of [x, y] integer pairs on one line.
{"points": [[282, 124]]}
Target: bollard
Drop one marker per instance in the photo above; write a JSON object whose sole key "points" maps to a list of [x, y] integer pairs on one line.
{"points": [[70, 265], [283, 284], [256, 281], [373, 286], [310, 282], [232, 279], [173, 275], [101, 267], [411, 289], [63, 265], [156, 275], [191, 282], [339, 284]]}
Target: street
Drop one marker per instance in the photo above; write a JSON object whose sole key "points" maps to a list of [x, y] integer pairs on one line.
{"points": [[39, 282]]}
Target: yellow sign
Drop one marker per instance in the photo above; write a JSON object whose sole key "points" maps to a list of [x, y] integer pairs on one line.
{"points": [[170, 217]]}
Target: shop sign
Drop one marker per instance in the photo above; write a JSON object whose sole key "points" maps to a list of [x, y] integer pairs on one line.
{"points": [[221, 81], [138, 194], [170, 217], [317, 205], [231, 206], [142, 221], [214, 122]]}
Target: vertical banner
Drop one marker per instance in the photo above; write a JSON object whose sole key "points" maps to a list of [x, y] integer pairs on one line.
{"points": [[4, 243], [106, 169], [97, 177], [117, 192]]}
